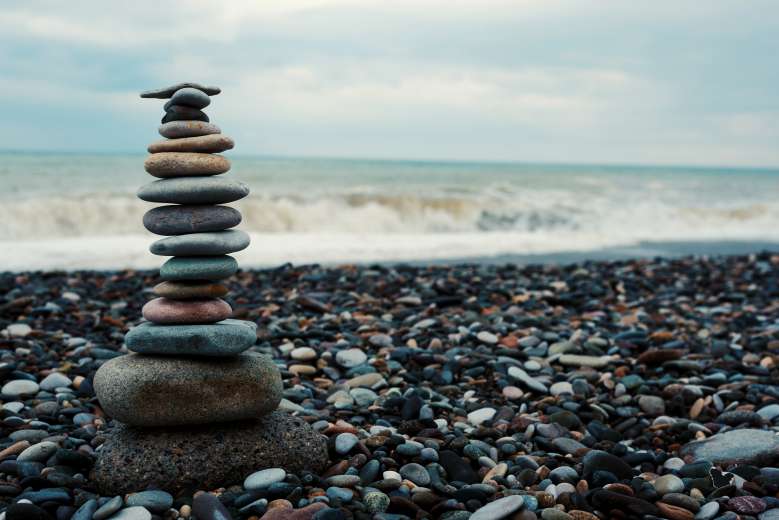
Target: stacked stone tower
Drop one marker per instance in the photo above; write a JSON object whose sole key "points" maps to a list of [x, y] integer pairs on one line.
{"points": [[190, 363]]}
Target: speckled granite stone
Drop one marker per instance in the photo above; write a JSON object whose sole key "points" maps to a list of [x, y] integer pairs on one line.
{"points": [[205, 457], [145, 390]]}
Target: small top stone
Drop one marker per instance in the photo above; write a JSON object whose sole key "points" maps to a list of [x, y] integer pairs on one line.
{"points": [[165, 93]]}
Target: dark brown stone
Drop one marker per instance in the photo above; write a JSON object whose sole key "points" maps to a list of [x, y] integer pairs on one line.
{"points": [[205, 457]]}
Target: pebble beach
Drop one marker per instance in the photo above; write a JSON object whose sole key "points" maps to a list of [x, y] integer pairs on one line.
{"points": [[628, 389]]}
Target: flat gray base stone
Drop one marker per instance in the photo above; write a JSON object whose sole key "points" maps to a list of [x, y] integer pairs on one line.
{"points": [[205, 457]]}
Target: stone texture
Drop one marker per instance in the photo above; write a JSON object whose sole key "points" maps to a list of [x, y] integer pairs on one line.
{"points": [[745, 446], [165, 93], [212, 143], [190, 97], [202, 244], [190, 290], [198, 268], [185, 219], [179, 129], [205, 457], [146, 390], [225, 338], [183, 113], [168, 312], [194, 190], [182, 164]]}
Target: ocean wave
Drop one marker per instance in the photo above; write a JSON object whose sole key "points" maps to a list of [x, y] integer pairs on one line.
{"points": [[539, 212]]}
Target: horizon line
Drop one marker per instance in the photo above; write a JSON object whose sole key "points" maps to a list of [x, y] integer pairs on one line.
{"points": [[429, 160]]}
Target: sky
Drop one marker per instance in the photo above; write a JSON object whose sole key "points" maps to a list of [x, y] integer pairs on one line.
{"points": [[641, 82]]}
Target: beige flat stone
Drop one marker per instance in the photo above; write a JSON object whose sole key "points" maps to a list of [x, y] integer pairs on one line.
{"points": [[183, 164], [212, 143]]}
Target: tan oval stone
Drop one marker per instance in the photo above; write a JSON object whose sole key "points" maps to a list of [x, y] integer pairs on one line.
{"points": [[190, 290], [180, 129], [182, 164], [165, 311], [167, 391], [212, 143]]}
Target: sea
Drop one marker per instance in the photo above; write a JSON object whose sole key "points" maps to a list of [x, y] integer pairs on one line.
{"points": [[79, 211]]}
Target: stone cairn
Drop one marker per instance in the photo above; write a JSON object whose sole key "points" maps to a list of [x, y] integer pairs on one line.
{"points": [[196, 407]]}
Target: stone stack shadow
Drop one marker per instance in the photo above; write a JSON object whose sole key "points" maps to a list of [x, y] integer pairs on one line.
{"points": [[196, 407]]}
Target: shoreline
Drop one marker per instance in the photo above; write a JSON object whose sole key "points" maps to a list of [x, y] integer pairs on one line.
{"points": [[642, 250]]}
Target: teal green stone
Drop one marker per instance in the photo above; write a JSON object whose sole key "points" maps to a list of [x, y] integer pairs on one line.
{"points": [[221, 339], [198, 268]]}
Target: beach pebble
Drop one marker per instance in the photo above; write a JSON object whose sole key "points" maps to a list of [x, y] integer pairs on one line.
{"points": [[183, 113], [180, 129], [185, 164], [202, 244], [481, 415], [351, 357], [187, 268], [165, 93], [501, 508], [181, 312], [225, 338], [191, 97], [164, 391], [211, 143], [264, 478], [190, 290], [184, 219], [20, 387], [55, 380], [155, 501], [18, 330], [132, 513]]}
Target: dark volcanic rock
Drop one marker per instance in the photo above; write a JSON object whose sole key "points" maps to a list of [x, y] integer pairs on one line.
{"points": [[205, 457]]}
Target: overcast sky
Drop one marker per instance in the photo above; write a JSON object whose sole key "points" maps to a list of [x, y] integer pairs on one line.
{"points": [[670, 82]]}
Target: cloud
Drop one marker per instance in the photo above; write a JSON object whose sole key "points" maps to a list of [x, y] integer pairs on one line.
{"points": [[500, 79]]}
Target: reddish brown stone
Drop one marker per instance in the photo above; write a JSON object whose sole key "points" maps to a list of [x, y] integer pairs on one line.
{"points": [[165, 311]]}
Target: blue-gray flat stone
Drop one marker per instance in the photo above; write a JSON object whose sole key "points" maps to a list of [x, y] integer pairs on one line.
{"points": [[178, 129], [222, 339], [186, 219], [183, 113], [165, 93], [143, 390], [202, 244], [193, 190], [198, 268], [190, 97]]}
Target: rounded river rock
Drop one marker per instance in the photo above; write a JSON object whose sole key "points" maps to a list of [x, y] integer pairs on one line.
{"points": [[193, 190], [184, 219], [171, 312], [183, 164], [165, 93], [206, 457], [178, 129], [190, 97], [183, 113], [202, 244], [198, 268], [212, 143], [165, 391], [221, 339], [189, 290]]}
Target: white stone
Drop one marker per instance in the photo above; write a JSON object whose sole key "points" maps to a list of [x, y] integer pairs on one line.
{"points": [[263, 479], [481, 415]]}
